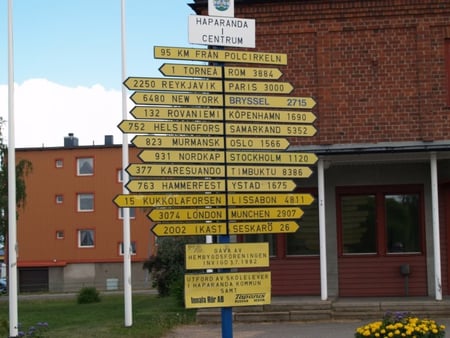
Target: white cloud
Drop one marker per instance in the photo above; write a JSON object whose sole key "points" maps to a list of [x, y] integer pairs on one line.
{"points": [[45, 112]]}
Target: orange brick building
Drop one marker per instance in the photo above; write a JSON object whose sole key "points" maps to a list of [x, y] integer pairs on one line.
{"points": [[70, 231]]}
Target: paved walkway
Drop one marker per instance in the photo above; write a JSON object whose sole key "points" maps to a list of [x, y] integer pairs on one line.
{"points": [[334, 329]]}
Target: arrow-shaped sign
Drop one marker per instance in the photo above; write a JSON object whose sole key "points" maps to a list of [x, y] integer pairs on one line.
{"points": [[236, 171], [189, 229], [265, 213], [174, 170], [213, 86], [262, 157], [216, 100], [188, 214], [275, 227], [245, 199], [168, 127], [211, 72], [169, 200], [218, 55], [176, 113]]}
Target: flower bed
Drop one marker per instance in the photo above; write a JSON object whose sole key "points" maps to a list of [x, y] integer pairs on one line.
{"points": [[401, 324]]}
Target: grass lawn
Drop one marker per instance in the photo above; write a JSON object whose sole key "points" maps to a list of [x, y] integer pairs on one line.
{"points": [[152, 317]]}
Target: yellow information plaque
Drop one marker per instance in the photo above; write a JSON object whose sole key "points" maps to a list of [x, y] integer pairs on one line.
{"points": [[227, 289], [226, 255]]}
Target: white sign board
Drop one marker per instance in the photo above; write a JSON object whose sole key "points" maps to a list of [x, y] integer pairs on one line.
{"points": [[221, 31], [221, 8]]}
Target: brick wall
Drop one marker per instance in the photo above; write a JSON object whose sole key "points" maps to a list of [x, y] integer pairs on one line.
{"points": [[376, 68]]}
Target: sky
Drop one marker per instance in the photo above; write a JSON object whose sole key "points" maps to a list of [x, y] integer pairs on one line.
{"points": [[67, 64]]}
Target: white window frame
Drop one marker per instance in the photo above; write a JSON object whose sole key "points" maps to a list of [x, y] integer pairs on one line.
{"points": [[59, 234], [59, 199], [132, 213], [133, 248], [79, 202], [80, 239], [80, 165], [59, 163]]}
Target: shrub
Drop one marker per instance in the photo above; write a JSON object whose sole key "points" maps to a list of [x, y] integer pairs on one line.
{"points": [[401, 324], [167, 266], [88, 295]]}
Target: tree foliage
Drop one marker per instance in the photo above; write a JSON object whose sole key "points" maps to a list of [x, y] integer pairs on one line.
{"points": [[23, 168], [167, 266]]}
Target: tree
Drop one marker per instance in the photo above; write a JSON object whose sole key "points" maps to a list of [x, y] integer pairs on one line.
{"points": [[23, 168]]}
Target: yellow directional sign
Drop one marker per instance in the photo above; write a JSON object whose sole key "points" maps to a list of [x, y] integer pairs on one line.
{"points": [[188, 214], [178, 185], [235, 185], [229, 255], [166, 84], [282, 116], [207, 291], [183, 142], [189, 229], [276, 227], [270, 157], [167, 127], [211, 142], [269, 101], [265, 213], [211, 72], [176, 113], [173, 170], [256, 129], [170, 200], [257, 143], [262, 87], [268, 171], [245, 199], [213, 86], [174, 156], [179, 99], [216, 100], [219, 55]]}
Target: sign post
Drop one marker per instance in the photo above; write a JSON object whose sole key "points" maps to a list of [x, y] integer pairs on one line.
{"points": [[215, 157]]}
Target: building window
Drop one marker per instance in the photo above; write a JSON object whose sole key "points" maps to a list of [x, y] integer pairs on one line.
{"points": [[132, 213], [358, 224], [120, 175], [85, 166], [305, 241], [59, 234], [59, 163], [133, 248], [402, 223], [383, 221], [85, 202], [86, 238], [59, 199]]}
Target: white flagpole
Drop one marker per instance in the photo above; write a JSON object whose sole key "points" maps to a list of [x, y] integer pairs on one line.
{"points": [[126, 211], [12, 226]]}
